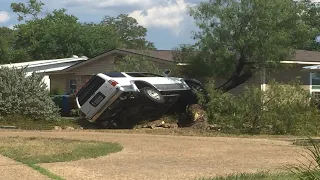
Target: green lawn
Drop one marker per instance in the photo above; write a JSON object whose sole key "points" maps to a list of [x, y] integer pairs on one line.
{"points": [[33, 151]]}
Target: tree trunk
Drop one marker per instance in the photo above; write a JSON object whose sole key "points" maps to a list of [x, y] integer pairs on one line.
{"points": [[236, 81], [237, 77]]}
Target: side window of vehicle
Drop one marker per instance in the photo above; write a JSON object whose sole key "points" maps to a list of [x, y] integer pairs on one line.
{"points": [[114, 74]]}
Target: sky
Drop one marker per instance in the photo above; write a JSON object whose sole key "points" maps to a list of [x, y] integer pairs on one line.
{"points": [[167, 21]]}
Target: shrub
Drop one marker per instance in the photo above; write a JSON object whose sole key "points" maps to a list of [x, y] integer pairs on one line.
{"points": [[25, 95], [288, 109], [310, 170], [281, 109]]}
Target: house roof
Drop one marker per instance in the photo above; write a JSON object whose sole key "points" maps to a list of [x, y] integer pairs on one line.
{"points": [[300, 57], [39, 63], [157, 55], [168, 55], [306, 56]]}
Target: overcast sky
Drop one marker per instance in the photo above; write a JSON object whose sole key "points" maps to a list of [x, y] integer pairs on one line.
{"points": [[167, 21]]}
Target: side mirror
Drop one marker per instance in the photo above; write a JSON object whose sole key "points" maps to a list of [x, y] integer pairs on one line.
{"points": [[167, 72]]}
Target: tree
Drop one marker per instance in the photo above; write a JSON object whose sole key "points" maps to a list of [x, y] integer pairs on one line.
{"points": [[32, 8], [97, 38], [240, 38], [130, 32], [311, 16], [58, 35], [131, 63], [6, 43]]}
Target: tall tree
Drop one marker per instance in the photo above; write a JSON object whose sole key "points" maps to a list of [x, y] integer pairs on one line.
{"points": [[239, 38], [32, 9], [58, 34], [130, 32], [6, 43]]}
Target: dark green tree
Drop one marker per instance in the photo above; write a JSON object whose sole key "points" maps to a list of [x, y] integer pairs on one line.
{"points": [[238, 39], [130, 32], [32, 9]]}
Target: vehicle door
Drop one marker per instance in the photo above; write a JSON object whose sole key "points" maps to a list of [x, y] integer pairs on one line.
{"points": [[97, 92]]}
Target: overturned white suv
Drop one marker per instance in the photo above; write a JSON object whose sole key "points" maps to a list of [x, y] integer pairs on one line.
{"points": [[115, 98]]}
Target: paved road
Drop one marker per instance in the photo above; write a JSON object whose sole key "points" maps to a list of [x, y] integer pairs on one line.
{"points": [[171, 157]]}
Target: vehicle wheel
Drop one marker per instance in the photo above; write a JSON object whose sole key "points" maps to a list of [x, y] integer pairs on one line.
{"points": [[152, 95]]}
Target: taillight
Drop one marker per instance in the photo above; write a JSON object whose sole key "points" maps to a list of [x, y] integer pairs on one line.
{"points": [[113, 82]]}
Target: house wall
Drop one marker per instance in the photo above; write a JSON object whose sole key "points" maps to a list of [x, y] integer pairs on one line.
{"points": [[101, 65], [60, 82], [288, 74]]}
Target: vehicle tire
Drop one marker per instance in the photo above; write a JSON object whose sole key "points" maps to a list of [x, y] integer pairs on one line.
{"points": [[153, 95]]}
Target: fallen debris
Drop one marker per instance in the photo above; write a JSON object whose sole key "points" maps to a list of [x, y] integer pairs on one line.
{"points": [[57, 128], [198, 117]]}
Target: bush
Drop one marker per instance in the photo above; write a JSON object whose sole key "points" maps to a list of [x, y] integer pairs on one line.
{"points": [[25, 95], [289, 109], [281, 109]]}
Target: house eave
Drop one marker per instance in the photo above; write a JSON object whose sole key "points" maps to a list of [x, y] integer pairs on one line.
{"points": [[301, 62]]}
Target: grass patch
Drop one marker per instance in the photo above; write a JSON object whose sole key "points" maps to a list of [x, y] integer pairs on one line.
{"points": [[28, 124], [34, 150], [45, 172], [258, 176]]}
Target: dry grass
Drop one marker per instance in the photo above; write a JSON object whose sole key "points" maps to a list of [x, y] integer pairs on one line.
{"points": [[190, 132], [43, 150]]}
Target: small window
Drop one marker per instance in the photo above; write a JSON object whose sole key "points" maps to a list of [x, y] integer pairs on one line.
{"points": [[72, 86], [114, 74]]}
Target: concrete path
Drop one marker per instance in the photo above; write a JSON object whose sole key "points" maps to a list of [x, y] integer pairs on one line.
{"points": [[149, 157], [12, 170]]}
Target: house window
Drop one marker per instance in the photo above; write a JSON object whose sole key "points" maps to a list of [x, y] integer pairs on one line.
{"points": [[315, 81], [72, 86]]}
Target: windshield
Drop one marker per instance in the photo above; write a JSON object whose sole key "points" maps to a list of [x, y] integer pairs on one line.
{"points": [[143, 75]]}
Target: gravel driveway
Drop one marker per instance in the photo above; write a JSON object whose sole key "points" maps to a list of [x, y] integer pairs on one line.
{"points": [[172, 157]]}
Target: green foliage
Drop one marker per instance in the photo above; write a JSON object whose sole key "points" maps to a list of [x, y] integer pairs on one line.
{"points": [[132, 35], [281, 109], [133, 63], [25, 95], [310, 171], [59, 35], [33, 8], [257, 176], [63, 37], [6, 43], [239, 38], [56, 91]]}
